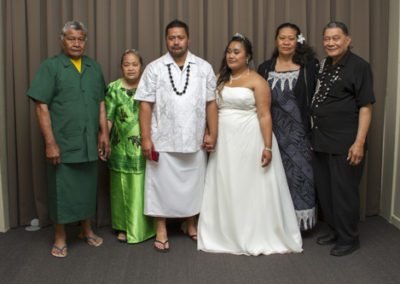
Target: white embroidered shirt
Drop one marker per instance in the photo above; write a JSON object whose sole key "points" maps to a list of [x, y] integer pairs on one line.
{"points": [[178, 122]]}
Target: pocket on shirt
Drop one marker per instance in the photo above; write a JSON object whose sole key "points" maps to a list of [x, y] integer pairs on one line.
{"points": [[70, 141]]}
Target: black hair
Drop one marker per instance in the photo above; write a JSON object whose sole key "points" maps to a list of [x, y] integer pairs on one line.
{"points": [[177, 24], [303, 52], [224, 71], [336, 24]]}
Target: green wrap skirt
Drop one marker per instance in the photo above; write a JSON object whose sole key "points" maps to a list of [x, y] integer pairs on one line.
{"points": [[72, 191]]}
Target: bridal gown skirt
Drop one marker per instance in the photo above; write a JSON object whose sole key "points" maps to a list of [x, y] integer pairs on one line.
{"points": [[246, 209]]}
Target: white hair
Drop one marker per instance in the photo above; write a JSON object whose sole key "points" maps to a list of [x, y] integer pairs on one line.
{"points": [[75, 25]]}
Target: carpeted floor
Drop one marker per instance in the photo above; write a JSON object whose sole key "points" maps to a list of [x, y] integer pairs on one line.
{"points": [[25, 258]]}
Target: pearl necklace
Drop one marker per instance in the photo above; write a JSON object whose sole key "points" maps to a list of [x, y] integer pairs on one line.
{"points": [[231, 78], [173, 83]]}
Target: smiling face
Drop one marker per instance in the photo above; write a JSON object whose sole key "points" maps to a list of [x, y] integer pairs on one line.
{"points": [[74, 43], [177, 42], [286, 41], [236, 56], [336, 43], [131, 67]]}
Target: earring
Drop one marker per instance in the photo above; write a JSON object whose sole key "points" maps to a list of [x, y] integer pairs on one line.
{"points": [[247, 61]]}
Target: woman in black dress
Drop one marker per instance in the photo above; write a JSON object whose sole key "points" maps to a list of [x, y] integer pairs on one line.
{"points": [[291, 74]]}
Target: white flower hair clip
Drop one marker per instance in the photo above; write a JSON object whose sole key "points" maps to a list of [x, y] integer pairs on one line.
{"points": [[301, 39]]}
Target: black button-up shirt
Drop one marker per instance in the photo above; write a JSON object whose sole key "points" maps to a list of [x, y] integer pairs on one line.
{"points": [[342, 89]]}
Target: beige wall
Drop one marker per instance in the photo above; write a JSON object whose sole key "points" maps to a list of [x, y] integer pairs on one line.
{"points": [[390, 202], [4, 212]]}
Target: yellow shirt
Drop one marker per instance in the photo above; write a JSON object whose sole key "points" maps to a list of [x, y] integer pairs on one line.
{"points": [[77, 63]]}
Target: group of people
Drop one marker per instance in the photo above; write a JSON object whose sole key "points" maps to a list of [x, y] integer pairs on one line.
{"points": [[250, 151]]}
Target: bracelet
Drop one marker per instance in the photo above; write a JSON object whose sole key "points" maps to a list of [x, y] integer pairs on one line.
{"points": [[268, 149]]}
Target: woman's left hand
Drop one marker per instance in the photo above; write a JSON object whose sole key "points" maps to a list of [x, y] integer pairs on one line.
{"points": [[266, 158]]}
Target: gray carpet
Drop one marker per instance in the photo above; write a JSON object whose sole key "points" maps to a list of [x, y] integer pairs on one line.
{"points": [[25, 258]]}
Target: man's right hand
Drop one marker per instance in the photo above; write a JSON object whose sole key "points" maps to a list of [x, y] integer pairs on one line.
{"points": [[147, 147], [53, 153]]}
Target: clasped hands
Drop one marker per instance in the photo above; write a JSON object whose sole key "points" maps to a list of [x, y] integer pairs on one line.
{"points": [[209, 142]]}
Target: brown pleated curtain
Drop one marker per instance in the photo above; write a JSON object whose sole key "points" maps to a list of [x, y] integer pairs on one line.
{"points": [[33, 26]]}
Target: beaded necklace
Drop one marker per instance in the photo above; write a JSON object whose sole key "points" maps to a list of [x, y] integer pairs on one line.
{"points": [[173, 83], [327, 76]]}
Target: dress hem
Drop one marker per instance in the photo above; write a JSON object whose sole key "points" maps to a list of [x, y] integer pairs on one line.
{"points": [[306, 219], [250, 254]]}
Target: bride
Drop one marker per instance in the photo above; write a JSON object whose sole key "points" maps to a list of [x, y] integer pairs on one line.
{"points": [[247, 208]]}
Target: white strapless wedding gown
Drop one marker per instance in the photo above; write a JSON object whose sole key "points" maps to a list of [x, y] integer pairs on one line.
{"points": [[246, 209]]}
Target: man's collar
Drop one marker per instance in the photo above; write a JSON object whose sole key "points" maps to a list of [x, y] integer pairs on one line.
{"points": [[168, 59], [66, 60], [342, 61]]}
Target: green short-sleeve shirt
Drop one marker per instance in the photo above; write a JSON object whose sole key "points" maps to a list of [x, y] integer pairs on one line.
{"points": [[123, 111], [73, 99]]}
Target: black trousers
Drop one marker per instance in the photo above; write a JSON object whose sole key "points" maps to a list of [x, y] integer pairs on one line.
{"points": [[337, 186]]}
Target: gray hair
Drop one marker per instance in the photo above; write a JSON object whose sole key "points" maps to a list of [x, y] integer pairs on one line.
{"points": [[134, 52], [336, 24], [75, 25]]}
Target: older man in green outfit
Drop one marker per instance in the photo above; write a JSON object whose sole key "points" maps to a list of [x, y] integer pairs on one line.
{"points": [[68, 91]]}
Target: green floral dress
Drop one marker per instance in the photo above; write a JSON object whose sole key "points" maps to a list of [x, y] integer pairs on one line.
{"points": [[127, 165]]}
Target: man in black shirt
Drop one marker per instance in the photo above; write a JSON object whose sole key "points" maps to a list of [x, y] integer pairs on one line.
{"points": [[341, 113]]}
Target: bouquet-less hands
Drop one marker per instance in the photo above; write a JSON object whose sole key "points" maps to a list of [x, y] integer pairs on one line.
{"points": [[103, 146], [147, 147], [53, 153], [266, 158], [355, 154]]}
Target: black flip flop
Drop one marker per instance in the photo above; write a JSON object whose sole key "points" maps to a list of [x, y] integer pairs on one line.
{"points": [[164, 249]]}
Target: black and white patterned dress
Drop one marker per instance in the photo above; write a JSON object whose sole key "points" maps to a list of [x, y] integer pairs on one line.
{"points": [[294, 145]]}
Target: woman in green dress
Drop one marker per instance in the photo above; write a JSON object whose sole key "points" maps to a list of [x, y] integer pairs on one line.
{"points": [[126, 163]]}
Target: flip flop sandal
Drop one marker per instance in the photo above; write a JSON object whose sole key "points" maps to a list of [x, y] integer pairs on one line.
{"points": [[122, 239], [185, 231], [95, 241], [164, 244], [193, 237], [59, 251]]}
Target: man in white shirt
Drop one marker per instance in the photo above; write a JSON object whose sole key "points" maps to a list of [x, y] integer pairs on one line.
{"points": [[177, 104]]}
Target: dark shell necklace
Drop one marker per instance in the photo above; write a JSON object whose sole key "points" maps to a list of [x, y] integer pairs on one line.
{"points": [[327, 76], [173, 83]]}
